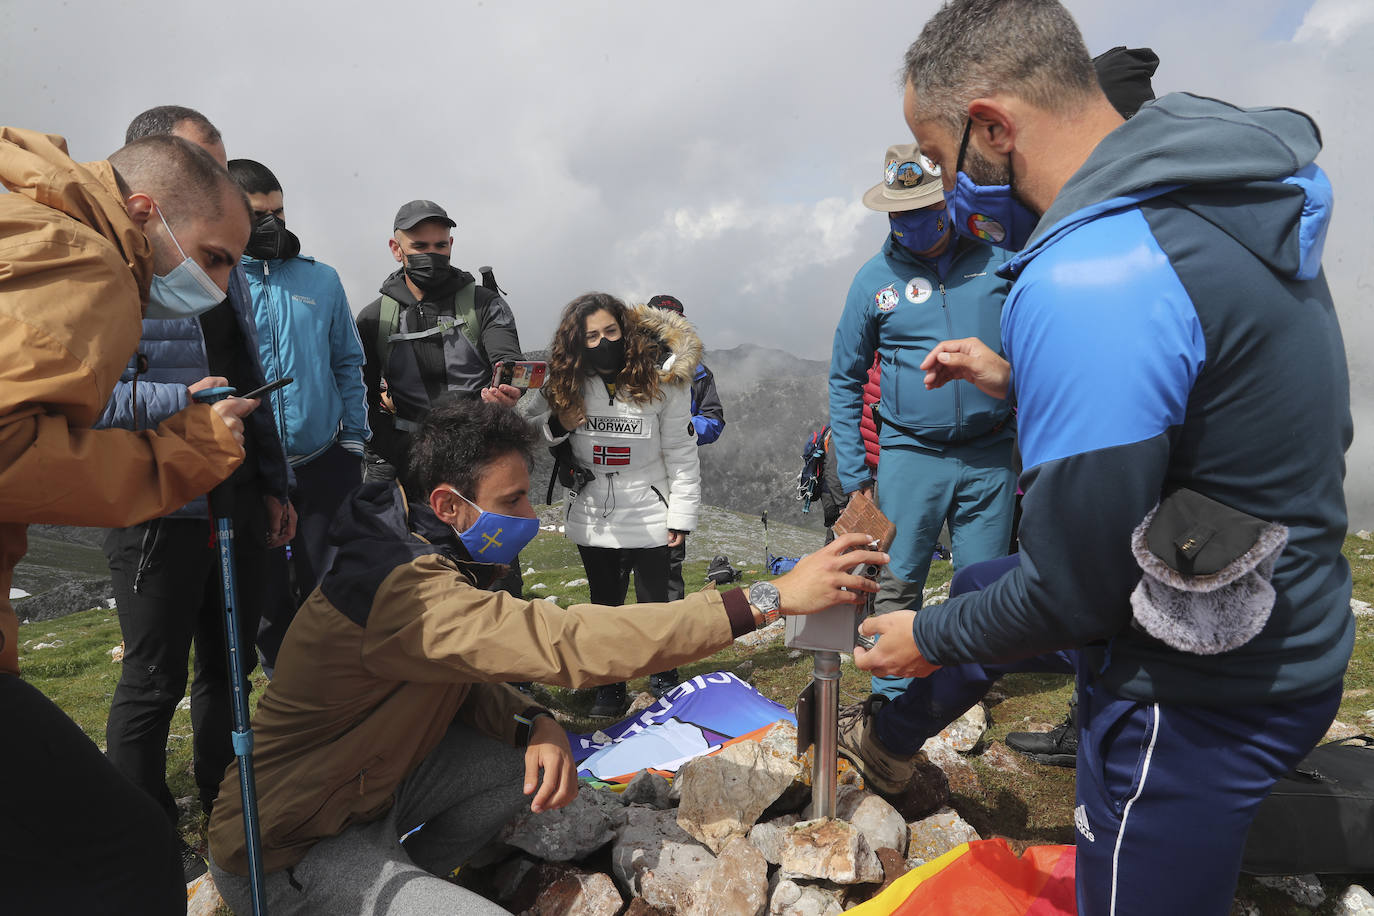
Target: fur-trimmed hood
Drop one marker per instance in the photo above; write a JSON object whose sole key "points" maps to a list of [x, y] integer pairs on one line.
{"points": [[679, 345]]}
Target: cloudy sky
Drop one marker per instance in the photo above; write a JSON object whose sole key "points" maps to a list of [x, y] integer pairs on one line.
{"points": [[715, 150]]}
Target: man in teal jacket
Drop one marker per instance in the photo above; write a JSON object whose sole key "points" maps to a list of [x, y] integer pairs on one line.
{"points": [[946, 454], [305, 332]]}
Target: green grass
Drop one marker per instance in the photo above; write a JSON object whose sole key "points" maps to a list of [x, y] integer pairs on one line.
{"points": [[1028, 805]]}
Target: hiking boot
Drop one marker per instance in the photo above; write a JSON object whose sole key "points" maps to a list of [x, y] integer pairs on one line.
{"points": [[1057, 747], [661, 683], [192, 863], [610, 701], [884, 772]]}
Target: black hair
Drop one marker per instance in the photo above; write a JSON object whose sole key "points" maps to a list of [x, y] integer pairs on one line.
{"points": [[253, 177], [457, 441], [163, 120]]}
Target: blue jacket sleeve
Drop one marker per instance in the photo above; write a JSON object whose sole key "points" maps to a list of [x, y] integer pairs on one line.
{"points": [[856, 339], [1105, 363], [346, 352], [156, 402], [708, 415]]}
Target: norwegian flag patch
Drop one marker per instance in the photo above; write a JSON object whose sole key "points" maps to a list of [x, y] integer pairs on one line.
{"points": [[611, 455]]}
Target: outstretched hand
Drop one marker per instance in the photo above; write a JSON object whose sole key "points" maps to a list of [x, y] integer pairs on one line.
{"points": [[971, 360], [823, 578], [896, 654]]}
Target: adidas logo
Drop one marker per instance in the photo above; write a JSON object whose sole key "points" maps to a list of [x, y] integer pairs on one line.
{"points": [[1080, 821]]}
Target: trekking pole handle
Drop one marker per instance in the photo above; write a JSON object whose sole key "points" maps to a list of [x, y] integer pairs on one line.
{"points": [[211, 395]]}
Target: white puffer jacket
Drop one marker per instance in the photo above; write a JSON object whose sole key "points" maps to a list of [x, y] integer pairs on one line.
{"points": [[644, 456]]}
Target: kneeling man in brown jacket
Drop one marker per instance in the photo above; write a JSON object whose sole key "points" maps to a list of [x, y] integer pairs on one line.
{"points": [[389, 708]]}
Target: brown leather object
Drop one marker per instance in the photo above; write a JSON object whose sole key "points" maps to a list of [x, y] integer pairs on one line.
{"points": [[863, 515]]}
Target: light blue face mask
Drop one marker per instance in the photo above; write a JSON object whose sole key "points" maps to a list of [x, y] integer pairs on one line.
{"points": [[495, 538], [186, 291]]}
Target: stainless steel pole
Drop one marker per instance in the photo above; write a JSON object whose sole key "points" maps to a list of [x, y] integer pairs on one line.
{"points": [[827, 714]]}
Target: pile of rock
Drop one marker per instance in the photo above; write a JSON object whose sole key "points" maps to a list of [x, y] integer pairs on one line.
{"points": [[733, 834]]}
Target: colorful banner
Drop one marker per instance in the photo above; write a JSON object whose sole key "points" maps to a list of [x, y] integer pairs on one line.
{"points": [[983, 878], [697, 717]]}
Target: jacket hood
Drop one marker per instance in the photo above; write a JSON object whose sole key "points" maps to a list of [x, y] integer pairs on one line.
{"points": [[378, 511], [1249, 171], [395, 287], [37, 166], [675, 335]]}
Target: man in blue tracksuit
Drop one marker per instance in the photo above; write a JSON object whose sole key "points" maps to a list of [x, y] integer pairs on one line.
{"points": [[306, 332], [1170, 328], [946, 454]]}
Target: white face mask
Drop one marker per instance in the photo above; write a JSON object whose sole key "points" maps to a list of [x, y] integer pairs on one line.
{"points": [[186, 291]]}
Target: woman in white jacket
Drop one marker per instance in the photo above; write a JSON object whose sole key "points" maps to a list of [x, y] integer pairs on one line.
{"points": [[619, 390]]}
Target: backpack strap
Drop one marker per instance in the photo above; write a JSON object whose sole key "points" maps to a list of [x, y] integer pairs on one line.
{"points": [[465, 312], [464, 318], [388, 321]]}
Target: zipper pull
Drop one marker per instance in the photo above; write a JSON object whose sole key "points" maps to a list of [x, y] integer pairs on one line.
{"points": [[266, 269]]}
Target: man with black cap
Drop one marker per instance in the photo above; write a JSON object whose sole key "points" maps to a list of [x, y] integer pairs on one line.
{"points": [[433, 330]]}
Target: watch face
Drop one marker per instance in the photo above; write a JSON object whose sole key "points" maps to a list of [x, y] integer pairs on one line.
{"points": [[764, 596]]}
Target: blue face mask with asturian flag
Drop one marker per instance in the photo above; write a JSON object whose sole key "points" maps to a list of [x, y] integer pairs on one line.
{"points": [[495, 538]]}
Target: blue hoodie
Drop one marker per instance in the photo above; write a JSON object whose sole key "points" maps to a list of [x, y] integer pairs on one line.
{"points": [[1170, 326]]}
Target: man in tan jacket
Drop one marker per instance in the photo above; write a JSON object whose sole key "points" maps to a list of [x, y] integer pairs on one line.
{"points": [[388, 709], [83, 250]]}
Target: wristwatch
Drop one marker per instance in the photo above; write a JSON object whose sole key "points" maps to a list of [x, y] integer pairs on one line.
{"points": [[765, 597]]}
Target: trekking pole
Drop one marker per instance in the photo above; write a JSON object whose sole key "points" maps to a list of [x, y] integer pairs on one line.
{"points": [[766, 554], [222, 508]]}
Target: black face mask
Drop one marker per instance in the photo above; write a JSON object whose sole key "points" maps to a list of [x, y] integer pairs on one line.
{"points": [[428, 271], [271, 239], [608, 356]]}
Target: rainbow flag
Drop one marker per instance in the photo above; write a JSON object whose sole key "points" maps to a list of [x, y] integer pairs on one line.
{"points": [[983, 878]]}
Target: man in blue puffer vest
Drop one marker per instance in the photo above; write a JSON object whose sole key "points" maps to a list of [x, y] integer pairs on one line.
{"points": [[305, 332], [947, 454], [165, 571]]}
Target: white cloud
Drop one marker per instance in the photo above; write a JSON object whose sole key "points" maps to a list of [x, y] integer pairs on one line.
{"points": [[1334, 21]]}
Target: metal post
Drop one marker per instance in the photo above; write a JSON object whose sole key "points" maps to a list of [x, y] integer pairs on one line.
{"points": [[222, 505], [826, 736]]}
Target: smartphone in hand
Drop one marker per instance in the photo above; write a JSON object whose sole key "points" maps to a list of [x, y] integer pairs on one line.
{"points": [[523, 374]]}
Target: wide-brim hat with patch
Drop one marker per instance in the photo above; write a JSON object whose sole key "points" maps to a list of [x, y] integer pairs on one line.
{"points": [[910, 181]]}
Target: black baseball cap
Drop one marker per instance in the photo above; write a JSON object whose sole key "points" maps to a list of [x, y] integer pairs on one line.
{"points": [[417, 211], [664, 301]]}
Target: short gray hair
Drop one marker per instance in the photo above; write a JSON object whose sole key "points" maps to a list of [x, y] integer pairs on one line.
{"points": [[975, 48]]}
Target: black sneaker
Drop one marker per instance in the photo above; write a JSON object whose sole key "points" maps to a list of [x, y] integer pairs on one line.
{"points": [[192, 863], [661, 683], [610, 701], [1057, 747]]}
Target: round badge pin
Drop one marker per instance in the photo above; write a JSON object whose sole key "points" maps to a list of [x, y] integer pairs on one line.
{"points": [[918, 290], [886, 298]]}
